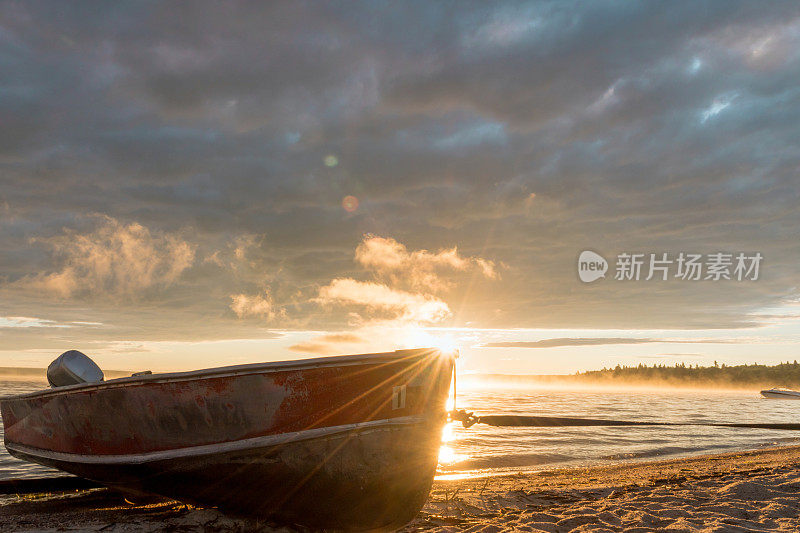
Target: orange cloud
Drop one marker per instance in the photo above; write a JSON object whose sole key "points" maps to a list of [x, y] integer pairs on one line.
{"points": [[327, 344], [375, 297], [404, 285], [419, 269], [341, 338], [318, 348], [245, 305], [116, 259]]}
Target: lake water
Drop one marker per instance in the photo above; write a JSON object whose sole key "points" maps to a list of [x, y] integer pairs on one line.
{"points": [[11, 467], [485, 449], [482, 450]]}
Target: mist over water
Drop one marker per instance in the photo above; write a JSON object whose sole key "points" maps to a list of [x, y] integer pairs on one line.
{"points": [[482, 449]]}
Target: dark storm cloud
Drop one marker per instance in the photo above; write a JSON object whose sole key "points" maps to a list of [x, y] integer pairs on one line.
{"points": [[521, 132]]}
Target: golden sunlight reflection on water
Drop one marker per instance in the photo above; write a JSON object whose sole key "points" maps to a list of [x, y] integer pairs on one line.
{"points": [[447, 455]]}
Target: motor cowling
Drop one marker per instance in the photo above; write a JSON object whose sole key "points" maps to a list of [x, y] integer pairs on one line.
{"points": [[73, 368]]}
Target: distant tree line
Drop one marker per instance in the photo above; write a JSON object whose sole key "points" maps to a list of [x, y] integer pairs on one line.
{"points": [[784, 374]]}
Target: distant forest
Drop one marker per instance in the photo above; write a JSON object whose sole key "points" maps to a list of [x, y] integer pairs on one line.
{"points": [[784, 374], [679, 375]]}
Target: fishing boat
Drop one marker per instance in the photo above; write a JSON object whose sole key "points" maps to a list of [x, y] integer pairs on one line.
{"points": [[781, 394], [345, 442]]}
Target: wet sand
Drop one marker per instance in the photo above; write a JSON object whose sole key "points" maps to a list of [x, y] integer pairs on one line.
{"points": [[747, 491]]}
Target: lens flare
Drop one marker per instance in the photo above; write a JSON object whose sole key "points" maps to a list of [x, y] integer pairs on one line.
{"points": [[350, 203]]}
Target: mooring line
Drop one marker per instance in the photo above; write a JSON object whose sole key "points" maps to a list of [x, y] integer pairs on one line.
{"points": [[470, 419]]}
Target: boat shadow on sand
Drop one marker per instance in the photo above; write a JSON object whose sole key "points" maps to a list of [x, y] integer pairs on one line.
{"points": [[106, 510]]}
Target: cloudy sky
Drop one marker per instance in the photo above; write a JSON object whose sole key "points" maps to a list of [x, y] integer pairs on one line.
{"points": [[191, 185]]}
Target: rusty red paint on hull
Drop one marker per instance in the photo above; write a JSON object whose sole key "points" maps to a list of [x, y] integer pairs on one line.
{"points": [[270, 424]]}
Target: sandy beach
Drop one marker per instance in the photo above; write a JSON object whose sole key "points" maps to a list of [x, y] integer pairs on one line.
{"points": [[746, 491]]}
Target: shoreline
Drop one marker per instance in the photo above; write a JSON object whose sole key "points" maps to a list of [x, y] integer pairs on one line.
{"points": [[741, 491], [620, 461], [753, 490]]}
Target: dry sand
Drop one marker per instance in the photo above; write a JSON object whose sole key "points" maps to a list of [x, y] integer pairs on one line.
{"points": [[748, 491]]}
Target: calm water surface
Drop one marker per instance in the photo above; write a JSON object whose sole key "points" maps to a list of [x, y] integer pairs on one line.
{"points": [[485, 450], [11, 467], [482, 450]]}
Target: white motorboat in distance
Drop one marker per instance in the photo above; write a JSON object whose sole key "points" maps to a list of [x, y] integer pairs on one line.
{"points": [[781, 394]]}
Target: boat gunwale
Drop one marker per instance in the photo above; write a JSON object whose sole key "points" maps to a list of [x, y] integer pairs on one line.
{"points": [[232, 370]]}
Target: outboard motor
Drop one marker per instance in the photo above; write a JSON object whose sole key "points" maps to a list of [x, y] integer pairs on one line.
{"points": [[73, 368]]}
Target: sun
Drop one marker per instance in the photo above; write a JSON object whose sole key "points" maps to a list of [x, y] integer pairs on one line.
{"points": [[445, 342]]}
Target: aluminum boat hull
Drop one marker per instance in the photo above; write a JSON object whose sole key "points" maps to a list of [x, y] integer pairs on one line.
{"points": [[346, 442], [781, 394]]}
